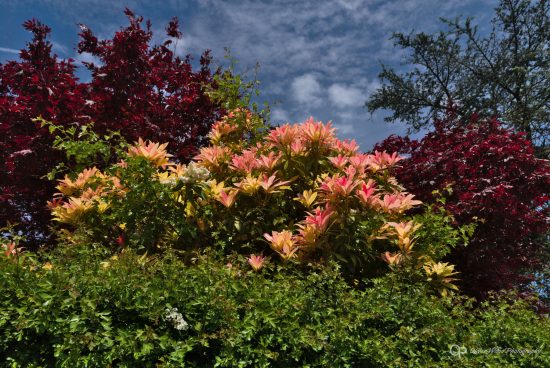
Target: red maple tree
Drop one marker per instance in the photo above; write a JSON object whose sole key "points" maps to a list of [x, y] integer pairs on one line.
{"points": [[497, 182], [139, 89]]}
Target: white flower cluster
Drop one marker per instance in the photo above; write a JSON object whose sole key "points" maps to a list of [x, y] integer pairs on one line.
{"points": [[170, 181], [194, 173], [176, 318]]}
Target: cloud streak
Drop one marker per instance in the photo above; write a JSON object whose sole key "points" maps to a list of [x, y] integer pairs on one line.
{"points": [[9, 50]]}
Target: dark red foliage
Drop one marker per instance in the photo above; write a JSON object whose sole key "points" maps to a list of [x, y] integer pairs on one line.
{"points": [[496, 179], [37, 84], [141, 90], [146, 91]]}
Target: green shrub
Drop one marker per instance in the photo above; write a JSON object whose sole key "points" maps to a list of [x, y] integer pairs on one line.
{"points": [[80, 306]]}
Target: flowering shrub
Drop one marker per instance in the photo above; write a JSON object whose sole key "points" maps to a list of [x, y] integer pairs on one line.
{"points": [[142, 200], [497, 183], [137, 88], [307, 195], [298, 193]]}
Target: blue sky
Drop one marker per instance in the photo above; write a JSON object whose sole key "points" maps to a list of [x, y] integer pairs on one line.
{"points": [[317, 57]]}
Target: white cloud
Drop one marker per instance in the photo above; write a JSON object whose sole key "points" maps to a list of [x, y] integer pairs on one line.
{"points": [[307, 90], [344, 129], [345, 96], [278, 115], [86, 57], [60, 48], [350, 4], [182, 46]]}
